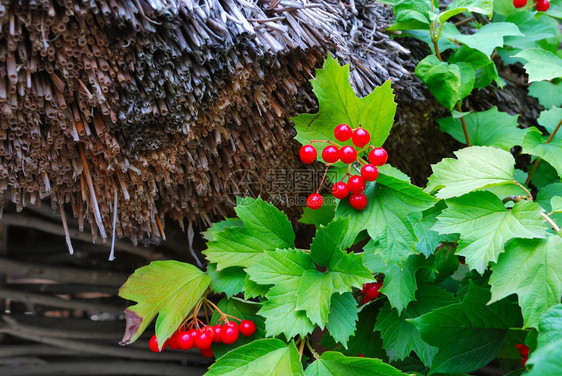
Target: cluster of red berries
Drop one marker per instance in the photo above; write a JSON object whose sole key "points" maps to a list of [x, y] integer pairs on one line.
{"points": [[333, 153], [204, 337], [540, 5], [524, 351], [371, 291]]}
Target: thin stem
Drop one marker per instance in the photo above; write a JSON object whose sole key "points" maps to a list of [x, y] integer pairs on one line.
{"points": [[550, 222], [301, 348], [529, 195], [314, 353], [323, 179], [538, 160], [464, 128]]}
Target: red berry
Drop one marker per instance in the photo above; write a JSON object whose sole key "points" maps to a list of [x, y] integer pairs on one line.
{"points": [[361, 355], [356, 184], [330, 154], [153, 344], [247, 328], [378, 156], [340, 190], [307, 154], [208, 352], [342, 132], [523, 349], [185, 340], [542, 5], [358, 201], [372, 292], [315, 201], [462, 260], [217, 333], [172, 341], [360, 137], [203, 339], [348, 154], [369, 172], [193, 332], [519, 3], [229, 333]]}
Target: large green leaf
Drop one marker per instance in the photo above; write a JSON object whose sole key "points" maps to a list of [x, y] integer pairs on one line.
{"points": [[487, 128], [385, 217], [429, 239], [550, 118], [470, 327], [488, 37], [244, 310], [485, 225], [534, 144], [333, 363], [264, 357], [545, 360], [329, 239], [541, 64], [411, 14], [548, 93], [338, 103], [476, 167], [444, 80], [169, 289], [476, 6], [280, 266], [484, 67], [342, 317], [532, 269], [229, 281], [401, 337], [265, 228], [281, 314], [399, 283]]}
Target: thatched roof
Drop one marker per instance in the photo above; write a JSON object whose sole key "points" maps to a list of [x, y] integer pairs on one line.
{"points": [[151, 105]]}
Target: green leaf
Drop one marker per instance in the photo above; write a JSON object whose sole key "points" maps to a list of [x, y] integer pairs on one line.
{"points": [[265, 228], [534, 144], [253, 290], [259, 358], [229, 281], [429, 239], [261, 217], [338, 103], [541, 64], [470, 327], [485, 225], [411, 15], [544, 199], [280, 266], [333, 363], [329, 239], [244, 310], [321, 216], [532, 269], [168, 289], [477, 167], [347, 270], [443, 80], [385, 217], [476, 6], [487, 128], [342, 317], [548, 93], [488, 37], [314, 296], [281, 314], [401, 337], [399, 283], [545, 175], [556, 204], [220, 226], [545, 360], [484, 67], [550, 118]]}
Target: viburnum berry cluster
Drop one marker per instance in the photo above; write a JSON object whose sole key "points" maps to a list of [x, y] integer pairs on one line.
{"points": [[540, 5], [349, 155], [194, 333], [371, 291]]}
